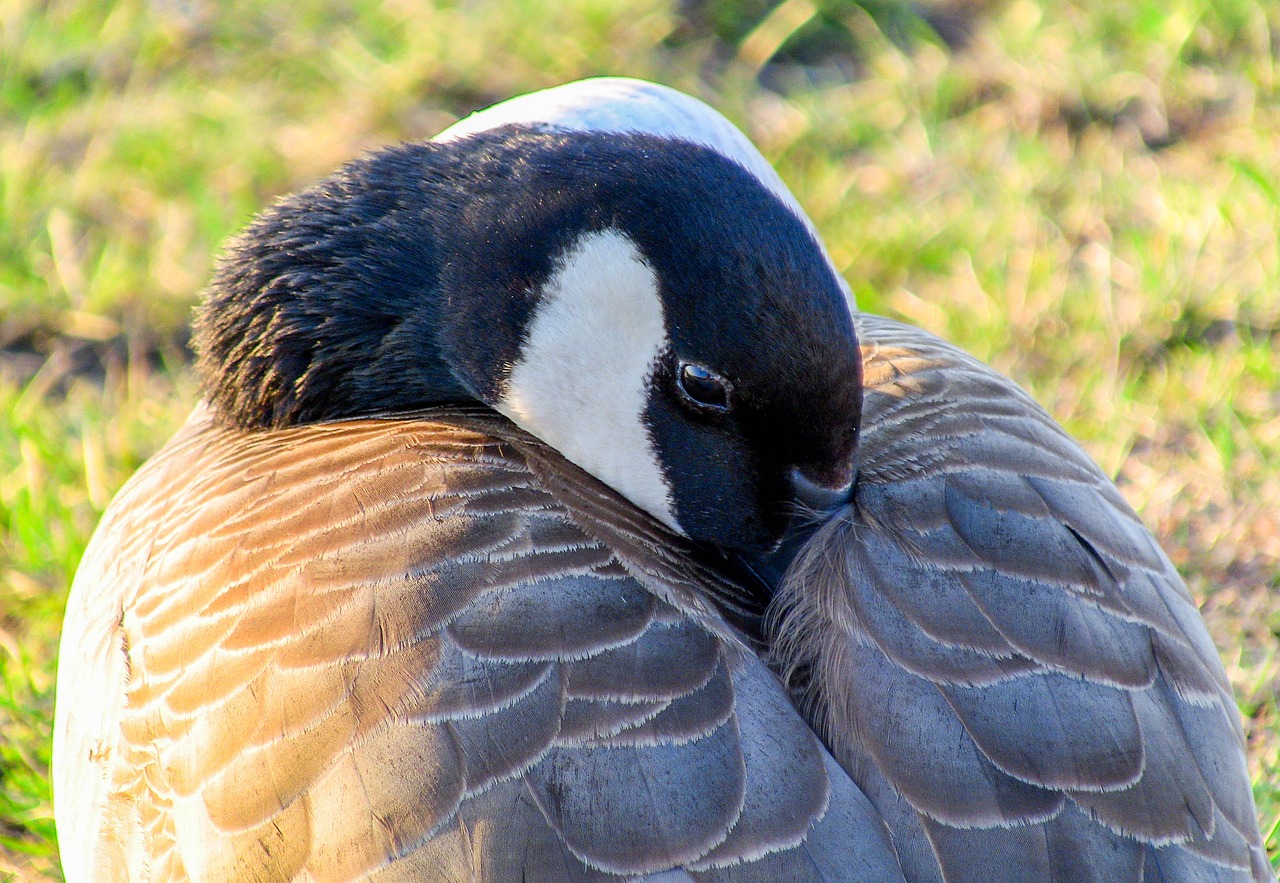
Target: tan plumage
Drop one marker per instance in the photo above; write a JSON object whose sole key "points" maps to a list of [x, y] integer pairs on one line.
{"points": [[372, 631], [386, 645], [428, 646]]}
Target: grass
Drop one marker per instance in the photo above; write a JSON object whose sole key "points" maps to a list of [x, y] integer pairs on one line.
{"points": [[1082, 193]]}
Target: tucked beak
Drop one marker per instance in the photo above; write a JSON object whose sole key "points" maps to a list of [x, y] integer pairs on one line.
{"points": [[764, 569], [820, 498]]}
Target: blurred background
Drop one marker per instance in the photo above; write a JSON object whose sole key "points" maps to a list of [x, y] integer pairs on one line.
{"points": [[1085, 193]]}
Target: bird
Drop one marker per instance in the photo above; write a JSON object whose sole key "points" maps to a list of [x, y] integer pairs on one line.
{"points": [[552, 513]]}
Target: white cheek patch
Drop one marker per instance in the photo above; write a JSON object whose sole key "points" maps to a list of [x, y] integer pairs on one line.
{"points": [[585, 369]]}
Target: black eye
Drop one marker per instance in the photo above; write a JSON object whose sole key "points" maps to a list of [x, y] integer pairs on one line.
{"points": [[704, 387]]}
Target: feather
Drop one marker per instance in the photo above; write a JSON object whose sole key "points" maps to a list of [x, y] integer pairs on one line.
{"points": [[999, 654], [431, 647]]}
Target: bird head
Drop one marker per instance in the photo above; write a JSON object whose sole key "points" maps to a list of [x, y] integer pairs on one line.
{"points": [[645, 304]]}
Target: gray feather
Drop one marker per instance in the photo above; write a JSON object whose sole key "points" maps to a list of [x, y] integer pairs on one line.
{"points": [[988, 630], [902, 822], [463, 685], [1070, 848], [1050, 624], [586, 720], [662, 664], [643, 809], [554, 617], [786, 786], [1054, 730], [1171, 801], [508, 838], [916, 738], [507, 741], [1221, 763], [693, 716], [916, 585], [1172, 864], [947, 657]]}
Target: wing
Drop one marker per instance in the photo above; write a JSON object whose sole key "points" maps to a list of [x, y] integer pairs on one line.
{"points": [[385, 649], [996, 647]]}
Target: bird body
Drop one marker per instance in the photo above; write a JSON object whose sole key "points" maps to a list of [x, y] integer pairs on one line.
{"points": [[468, 569]]}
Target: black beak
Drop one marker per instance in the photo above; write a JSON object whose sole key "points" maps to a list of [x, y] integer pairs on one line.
{"points": [[763, 570], [760, 572], [819, 498]]}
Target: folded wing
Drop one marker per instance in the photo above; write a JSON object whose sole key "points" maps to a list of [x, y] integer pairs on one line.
{"points": [[384, 648], [994, 645]]}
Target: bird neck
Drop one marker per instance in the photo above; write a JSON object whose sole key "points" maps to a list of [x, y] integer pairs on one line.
{"points": [[329, 306]]}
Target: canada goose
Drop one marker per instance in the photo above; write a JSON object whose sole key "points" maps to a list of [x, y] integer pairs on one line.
{"points": [[469, 566]]}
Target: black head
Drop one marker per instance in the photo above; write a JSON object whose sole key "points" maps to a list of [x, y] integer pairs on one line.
{"points": [[643, 304], [680, 334]]}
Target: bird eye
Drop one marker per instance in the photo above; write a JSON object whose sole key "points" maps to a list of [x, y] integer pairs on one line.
{"points": [[704, 387]]}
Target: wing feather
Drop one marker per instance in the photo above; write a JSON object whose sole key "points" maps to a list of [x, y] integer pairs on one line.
{"points": [[995, 647], [413, 647], [414, 656]]}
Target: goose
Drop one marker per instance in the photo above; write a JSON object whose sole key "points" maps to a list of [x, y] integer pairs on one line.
{"points": [[552, 514]]}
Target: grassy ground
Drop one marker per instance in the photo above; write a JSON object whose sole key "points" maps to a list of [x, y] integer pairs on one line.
{"points": [[1083, 193]]}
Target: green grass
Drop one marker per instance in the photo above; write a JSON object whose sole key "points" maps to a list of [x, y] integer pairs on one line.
{"points": [[1082, 193]]}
